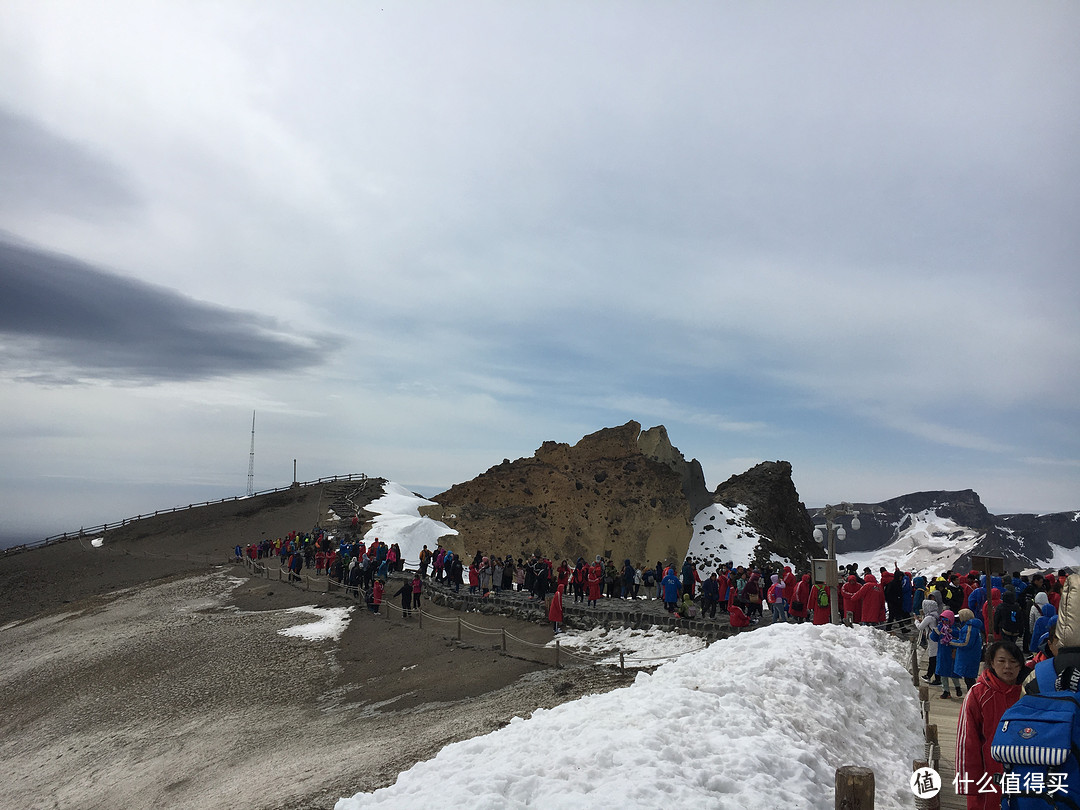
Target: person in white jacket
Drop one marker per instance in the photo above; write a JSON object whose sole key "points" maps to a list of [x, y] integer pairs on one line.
{"points": [[1035, 611], [930, 613]]}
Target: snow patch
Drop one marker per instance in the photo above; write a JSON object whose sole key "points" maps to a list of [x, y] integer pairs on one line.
{"points": [[329, 627], [640, 648]]}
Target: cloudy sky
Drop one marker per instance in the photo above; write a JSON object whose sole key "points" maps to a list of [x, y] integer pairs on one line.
{"points": [[418, 238]]}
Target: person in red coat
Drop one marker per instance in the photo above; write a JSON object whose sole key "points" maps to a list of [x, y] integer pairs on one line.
{"points": [[596, 583], [790, 581], [850, 588], [555, 611], [989, 605], [996, 690], [800, 600], [722, 585], [822, 613], [871, 596], [736, 617]]}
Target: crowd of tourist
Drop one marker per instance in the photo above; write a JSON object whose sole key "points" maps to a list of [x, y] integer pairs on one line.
{"points": [[988, 635], [983, 635]]}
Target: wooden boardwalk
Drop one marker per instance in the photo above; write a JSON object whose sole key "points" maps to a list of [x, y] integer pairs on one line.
{"points": [[944, 714]]}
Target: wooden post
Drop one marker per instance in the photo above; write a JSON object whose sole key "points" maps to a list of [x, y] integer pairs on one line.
{"points": [[933, 803], [933, 749], [854, 788], [504, 639], [622, 660], [459, 629], [556, 653]]}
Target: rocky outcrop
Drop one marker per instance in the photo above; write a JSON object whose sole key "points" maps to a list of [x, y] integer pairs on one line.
{"points": [[774, 509], [619, 492]]}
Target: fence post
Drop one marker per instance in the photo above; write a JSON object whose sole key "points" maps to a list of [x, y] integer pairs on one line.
{"points": [[934, 802], [556, 653], [622, 660], [854, 788], [504, 639], [932, 748], [459, 629]]}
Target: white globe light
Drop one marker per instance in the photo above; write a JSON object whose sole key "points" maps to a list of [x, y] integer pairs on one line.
{"points": [[855, 525], [818, 535], [840, 533]]}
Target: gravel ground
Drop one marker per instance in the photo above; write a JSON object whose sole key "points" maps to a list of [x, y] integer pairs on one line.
{"points": [[181, 693]]}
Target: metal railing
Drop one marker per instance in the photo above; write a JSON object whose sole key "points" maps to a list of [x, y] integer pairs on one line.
{"points": [[104, 527]]}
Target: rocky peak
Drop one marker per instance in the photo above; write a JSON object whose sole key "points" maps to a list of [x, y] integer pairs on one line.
{"points": [[618, 492], [774, 508]]}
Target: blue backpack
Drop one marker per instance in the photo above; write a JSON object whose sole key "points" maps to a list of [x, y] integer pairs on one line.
{"points": [[1036, 740]]}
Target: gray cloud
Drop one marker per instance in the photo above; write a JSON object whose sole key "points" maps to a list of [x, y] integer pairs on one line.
{"points": [[45, 171], [64, 321]]}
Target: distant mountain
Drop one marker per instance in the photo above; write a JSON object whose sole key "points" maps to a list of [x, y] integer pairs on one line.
{"points": [[932, 532]]}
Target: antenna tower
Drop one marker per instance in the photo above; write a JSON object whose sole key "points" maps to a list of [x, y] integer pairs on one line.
{"points": [[251, 458]]}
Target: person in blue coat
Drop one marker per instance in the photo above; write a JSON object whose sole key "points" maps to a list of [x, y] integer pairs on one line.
{"points": [[943, 635], [968, 643], [670, 586], [1041, 625]]}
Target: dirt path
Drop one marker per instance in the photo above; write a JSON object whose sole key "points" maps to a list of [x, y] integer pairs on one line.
{"points": [[181, 693]]}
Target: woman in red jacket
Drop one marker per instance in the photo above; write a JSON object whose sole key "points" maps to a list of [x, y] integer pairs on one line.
{"points": [[822, 613], [871, 597], [850, 588], [596, 583], [996, 690], [555, 610], [800, 599]]}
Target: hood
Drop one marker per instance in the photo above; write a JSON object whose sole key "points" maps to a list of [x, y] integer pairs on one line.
{"points": [[1068, 624], [1045, 637], [1042, 599], [805, 577], [1049, 610], [870, 578], [852, 578], [947, 616], [1009, 598], [919, 581], [775, 578]]}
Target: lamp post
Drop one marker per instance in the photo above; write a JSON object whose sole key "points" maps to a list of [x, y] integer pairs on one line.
{"points": [[830, 536]]}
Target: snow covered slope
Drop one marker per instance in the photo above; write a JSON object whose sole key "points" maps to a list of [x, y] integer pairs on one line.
{"points": [[769, 714]]}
